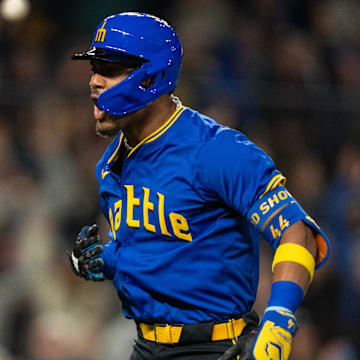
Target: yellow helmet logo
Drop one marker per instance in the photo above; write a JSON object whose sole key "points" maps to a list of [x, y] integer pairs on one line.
{"points": [[100, 34]]}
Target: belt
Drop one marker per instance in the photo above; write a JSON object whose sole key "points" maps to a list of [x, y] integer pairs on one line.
{"points": [[170, 334]]}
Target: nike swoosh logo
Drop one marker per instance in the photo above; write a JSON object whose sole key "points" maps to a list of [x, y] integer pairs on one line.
{"points": [[104, 173]]}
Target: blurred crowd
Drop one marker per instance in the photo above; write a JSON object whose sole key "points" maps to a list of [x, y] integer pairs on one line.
{"points": [[285, 72]]}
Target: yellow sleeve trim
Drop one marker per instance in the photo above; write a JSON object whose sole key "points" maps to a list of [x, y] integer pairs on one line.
{"points": [[295, 253], [277, 180]]}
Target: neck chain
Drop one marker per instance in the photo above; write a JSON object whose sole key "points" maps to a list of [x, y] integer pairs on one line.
{"points": [[127, 145], [176, 100]]}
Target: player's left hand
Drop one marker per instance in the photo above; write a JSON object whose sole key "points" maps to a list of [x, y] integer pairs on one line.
{"points": [[85, 257], [273, 341], [242, 348]]}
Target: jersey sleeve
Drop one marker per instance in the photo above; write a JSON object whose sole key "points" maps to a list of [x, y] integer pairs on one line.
{"points": [[109, 258], [235, 170]]}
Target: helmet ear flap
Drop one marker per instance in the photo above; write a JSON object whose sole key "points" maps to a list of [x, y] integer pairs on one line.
{"points": [[147, 83], [159, 78], [153, 80]]}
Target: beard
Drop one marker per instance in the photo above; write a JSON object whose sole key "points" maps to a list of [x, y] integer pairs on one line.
{"points": [[107, 127], [105, 133]]}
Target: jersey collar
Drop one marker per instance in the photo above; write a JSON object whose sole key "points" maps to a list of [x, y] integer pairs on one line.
{"points": [[157, 133]]}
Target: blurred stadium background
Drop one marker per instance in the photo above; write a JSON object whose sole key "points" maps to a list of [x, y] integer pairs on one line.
{"points": [[285, 72]]}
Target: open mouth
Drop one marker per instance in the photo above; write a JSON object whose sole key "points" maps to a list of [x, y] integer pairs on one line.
{"points": [[98, 113]]}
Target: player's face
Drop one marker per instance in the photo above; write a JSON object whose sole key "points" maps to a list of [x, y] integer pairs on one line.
{"points": [[104, 76]]}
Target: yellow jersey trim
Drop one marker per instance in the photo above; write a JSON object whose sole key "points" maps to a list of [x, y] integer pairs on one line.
{"points": [[117, 149], [104, 174], [277, 180], [163, 128]]}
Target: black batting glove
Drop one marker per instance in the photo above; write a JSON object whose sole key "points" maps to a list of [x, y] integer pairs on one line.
{"points": [[244, 344], [241, 348], [85, 257]]}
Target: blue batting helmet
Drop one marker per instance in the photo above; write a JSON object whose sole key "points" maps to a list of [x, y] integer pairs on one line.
{"points": [[149, 40]]}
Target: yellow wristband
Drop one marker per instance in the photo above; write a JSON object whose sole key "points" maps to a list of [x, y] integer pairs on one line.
{"points": [[295, 253]]}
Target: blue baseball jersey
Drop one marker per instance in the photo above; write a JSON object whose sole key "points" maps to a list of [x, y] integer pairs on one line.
{"points": [[182, 249]]}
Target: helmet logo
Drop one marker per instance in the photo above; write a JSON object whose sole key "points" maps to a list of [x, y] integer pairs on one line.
{"points": [[100, 34]]}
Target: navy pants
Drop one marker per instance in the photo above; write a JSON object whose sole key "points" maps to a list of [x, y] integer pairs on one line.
{"points": [[149, 350]]}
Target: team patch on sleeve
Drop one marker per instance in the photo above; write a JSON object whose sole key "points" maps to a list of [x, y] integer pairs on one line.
{"points": [[267, 205], [276, 211]]}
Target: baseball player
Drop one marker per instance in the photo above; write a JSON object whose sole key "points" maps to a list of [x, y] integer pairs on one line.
{"points": [[187, 199]]}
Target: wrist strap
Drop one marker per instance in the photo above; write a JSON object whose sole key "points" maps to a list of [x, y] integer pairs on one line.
{"points": [[285, 296], [278, 308]]}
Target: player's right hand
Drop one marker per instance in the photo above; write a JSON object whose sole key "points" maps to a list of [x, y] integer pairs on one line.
{"points": [[85, 257], [274, 338]]}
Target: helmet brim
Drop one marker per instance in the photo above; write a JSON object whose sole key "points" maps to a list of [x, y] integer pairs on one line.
{"points": [[109, 55]]}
